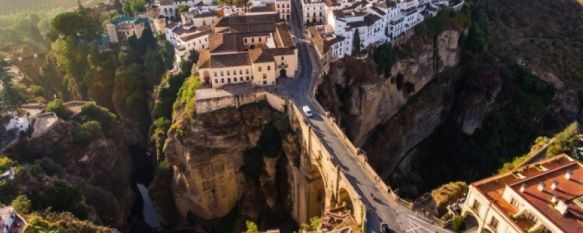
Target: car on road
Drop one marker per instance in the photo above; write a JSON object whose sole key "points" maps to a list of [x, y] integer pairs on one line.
{"points": [[385, 228], [307, 111]]}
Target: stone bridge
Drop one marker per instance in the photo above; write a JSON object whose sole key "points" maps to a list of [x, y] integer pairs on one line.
{"points": [[319, 182]]}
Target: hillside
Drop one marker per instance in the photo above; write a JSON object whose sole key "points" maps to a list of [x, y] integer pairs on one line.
{"points": [[544, 36]]}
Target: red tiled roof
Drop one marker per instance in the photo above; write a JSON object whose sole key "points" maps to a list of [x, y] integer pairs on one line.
{"points": [[532, 175]]}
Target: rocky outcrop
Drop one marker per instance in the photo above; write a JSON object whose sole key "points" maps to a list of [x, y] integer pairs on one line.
{"points": [[100, 168], [363, 100], [228, 160], [388, 146]]}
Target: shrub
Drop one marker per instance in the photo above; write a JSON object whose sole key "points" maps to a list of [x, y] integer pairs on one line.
{"points": [[448, 193], [458, 223], [565, 141], [21, 204], [161, 125], [87, 132], [94, 112], [58, 108]]}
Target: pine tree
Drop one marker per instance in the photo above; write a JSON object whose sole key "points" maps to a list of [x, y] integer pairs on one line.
{"points": [[356, 43]]}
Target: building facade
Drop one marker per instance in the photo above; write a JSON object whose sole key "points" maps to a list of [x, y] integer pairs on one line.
{"points": [[253, 49]]}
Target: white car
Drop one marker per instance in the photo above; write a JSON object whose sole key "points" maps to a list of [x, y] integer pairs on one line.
{"points": [[307, 111]]}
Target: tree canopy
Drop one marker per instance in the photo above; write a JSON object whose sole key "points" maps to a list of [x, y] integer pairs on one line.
{"points": [[74, 24]]}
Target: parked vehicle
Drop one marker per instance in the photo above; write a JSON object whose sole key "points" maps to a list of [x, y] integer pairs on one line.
{"points": [[307, 111]]}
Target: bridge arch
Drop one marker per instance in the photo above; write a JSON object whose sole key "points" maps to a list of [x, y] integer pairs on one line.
{"points": [[316, 192], [344, 200]]}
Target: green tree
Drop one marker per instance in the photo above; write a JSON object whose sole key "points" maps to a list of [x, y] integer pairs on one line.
{"points": [[21, 204], [71, 57], [10, 96], [74, 24]]}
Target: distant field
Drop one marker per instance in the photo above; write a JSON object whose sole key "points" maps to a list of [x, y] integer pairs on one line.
{"points": [[17, 6]]}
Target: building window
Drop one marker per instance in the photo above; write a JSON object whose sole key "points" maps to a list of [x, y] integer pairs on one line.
{"points": [[494, 223], [476, 207], [240, 72], [282, 58], [245, 40], [259, 39], [228, 80], [247, 78], [215, 74], [264, 76], [268, 67], [246, 71], [252, 40], [228, 73], [222, 80], [259, 68], [221, 73]]}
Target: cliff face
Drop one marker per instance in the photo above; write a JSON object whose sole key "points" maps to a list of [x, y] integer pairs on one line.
{"points": [[231, 160], [99, 169], [363, 99]]}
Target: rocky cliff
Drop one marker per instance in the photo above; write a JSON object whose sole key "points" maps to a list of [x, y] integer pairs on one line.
{"points": [[363, 99], [231, 162], [98, 169]]}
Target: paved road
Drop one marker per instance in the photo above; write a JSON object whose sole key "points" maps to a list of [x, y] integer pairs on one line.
{"points": [[380, 208]]}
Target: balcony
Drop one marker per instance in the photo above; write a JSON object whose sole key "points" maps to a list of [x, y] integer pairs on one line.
{"points": [[282, 66]]}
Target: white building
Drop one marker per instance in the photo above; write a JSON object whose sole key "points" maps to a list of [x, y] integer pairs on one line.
{"points": [[545, 196], [169, 8], [313, 11], [248, 49], [187, 38], [284, 8]]}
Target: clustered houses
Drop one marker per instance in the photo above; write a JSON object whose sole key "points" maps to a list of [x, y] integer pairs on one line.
{"points": [[376, 21], [190, 32], [545, 196], [252, 49]]}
